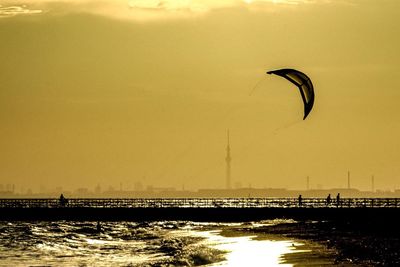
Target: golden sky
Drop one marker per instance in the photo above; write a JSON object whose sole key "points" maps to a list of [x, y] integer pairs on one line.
{"points": [[110, 91]]}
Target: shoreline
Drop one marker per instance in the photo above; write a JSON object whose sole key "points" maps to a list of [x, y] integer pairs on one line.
{"points": [[347, 242], [310, 253], [303, 252]]}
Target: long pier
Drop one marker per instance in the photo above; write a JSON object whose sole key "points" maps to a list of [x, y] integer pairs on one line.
{"points": [[198, 209]]}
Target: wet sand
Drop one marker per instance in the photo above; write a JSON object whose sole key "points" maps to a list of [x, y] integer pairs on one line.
{"points": [[348, 243], [311, 253], [304, 252]]}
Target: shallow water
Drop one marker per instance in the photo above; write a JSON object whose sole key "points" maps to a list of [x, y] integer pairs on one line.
{"points": [[167, 243]]}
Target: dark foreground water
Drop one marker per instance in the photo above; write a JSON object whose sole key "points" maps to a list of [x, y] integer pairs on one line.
{"points": [[167, 243]]}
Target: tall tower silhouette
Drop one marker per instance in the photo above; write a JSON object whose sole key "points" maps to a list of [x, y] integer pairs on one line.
{"points": [[348, 179], [373, 183], [228, 160]]}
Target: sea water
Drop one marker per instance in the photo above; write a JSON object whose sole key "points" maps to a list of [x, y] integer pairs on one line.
{"points": [[163, 243]]}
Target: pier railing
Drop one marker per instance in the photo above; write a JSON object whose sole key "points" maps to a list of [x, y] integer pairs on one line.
{"points": [[200, 203]]}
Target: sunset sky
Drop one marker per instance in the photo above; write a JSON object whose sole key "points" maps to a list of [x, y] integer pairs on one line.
{"points": [[117, 91]]}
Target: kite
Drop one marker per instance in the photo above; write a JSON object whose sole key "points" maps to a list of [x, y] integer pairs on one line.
{"points": [[302, 82]]}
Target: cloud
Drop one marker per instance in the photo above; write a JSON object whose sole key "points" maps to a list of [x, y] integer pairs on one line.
{"points": [[140, 10], [9, 11]]}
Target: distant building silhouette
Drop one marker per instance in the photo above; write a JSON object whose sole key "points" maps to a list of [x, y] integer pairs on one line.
{"points": [[348, 179], [97, 189], [372, 184], [138, 186], [228, 160]]}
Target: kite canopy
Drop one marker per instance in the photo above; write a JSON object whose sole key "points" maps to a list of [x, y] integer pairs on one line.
{"points": [[302, 82]]}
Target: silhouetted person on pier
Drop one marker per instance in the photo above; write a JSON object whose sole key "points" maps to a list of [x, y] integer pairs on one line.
{"points": [[328, 200], [63, 200], [98, 227], [300, 200], [338, 199]]}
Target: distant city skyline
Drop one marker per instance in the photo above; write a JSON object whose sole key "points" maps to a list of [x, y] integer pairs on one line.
{"points": [[362, 183], [139, 186], [156, 192]]}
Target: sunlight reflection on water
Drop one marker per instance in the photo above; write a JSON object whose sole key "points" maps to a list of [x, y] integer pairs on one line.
{"points": [[246, 251]]}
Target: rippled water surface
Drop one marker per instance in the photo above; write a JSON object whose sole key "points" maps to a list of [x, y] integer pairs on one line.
{"points": [[167, 243]]}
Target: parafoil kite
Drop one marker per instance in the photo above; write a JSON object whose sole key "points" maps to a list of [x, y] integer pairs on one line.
{"points": [[302, 82]]}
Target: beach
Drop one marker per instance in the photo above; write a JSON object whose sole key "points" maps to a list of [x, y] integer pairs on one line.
{"points": [[348, 242]]}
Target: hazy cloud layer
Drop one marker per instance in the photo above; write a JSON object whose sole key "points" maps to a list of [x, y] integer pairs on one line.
{"points": [[139, 9]]}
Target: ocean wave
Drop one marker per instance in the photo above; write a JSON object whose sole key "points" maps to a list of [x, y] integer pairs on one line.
{"points": [[164, 243]]}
